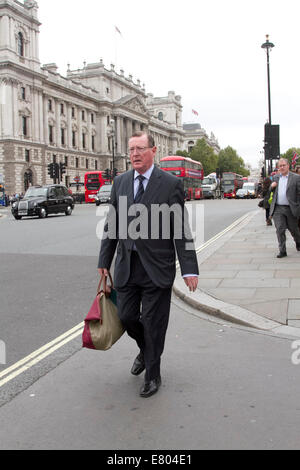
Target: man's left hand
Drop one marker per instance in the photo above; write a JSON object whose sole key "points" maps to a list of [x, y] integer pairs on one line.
{"points": [[191, 282]]}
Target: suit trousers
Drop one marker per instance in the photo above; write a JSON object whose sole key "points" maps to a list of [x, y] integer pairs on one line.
{"points": [[284, 220], [144, 310]]}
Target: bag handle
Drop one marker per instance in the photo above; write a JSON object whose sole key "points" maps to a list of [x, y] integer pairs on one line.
{"points": [[106, 288]]}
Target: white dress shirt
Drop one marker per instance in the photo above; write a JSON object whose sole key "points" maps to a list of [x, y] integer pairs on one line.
{"points": [[281, 196], [136, 182]]}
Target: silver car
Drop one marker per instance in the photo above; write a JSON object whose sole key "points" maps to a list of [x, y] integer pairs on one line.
{"points": [[103, 195], [242, 194]]}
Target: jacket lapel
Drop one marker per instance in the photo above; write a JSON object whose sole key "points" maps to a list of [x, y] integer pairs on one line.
{"points": [[130, 184]]}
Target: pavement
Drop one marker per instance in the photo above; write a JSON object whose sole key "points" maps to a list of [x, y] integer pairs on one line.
{"points": [[90, 401], [241, 279]]}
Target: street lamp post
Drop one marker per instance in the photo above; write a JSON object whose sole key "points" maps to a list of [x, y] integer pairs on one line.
{"points": [[268, 46], [111, 135]]}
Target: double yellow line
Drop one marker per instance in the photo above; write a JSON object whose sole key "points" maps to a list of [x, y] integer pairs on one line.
{"points": [[34, 358]]}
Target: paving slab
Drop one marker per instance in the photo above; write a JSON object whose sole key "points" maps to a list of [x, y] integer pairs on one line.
{"points": [[251, 285], [294, 309]]}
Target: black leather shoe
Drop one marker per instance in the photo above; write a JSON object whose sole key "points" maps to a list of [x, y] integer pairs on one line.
{"points": [[138, 365], [150, 388], [282, 255]]}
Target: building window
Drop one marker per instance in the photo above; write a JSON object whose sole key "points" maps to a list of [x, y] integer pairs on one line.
{"points": [[24, 125], [83, 140], [93, 142], [66, 160], [96, 165], [92, 118], [74, 139], [83, 115], [27, 155], [62, 108], [161, 116], [49, 105], [87, 163], [62, 133], [23, 93], [77, 162], [21, 45], [73, 112], [108, 120], [51, 134]]}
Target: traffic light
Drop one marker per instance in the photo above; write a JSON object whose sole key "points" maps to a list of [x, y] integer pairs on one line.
{"points": [[63, 169], [115, 172], [56, 170], [51, 170], [272, 141], [107, 174]]}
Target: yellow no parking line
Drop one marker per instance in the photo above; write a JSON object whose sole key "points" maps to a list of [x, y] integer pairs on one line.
{"points": [[25, 364]]}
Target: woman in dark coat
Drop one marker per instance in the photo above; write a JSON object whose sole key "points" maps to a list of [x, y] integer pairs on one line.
{"points": [[266, 191]]}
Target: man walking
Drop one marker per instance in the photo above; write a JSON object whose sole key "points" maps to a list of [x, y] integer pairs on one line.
{"points": [[285, 207], [145, 266]]}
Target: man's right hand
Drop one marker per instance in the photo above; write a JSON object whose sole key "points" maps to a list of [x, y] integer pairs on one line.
{"points": [[274, 185], [103, 272]]}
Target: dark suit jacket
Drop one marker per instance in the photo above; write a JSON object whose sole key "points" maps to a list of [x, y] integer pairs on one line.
{"points": [[157, 255], [292, 194]]}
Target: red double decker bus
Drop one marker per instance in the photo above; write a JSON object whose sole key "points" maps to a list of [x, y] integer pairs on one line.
{"points": [[189, 171], [93, 181], [231, 182]]}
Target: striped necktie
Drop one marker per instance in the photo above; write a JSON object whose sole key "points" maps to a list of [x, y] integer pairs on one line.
{"points": [[140, 191]]}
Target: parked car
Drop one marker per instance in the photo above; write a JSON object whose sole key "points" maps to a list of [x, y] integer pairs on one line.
{"points": [[103, 195], [242, 194], [43, 200]]}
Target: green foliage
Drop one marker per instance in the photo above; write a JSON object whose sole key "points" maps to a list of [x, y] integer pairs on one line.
{"points": [[229, 160], [182, 153], [203, 153]]}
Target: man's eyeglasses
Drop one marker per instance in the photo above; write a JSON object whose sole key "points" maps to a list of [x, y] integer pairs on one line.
{"points": [[138, 149]]}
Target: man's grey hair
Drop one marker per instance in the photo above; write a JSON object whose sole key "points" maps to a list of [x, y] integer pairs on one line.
{"points": [[284, 160]]}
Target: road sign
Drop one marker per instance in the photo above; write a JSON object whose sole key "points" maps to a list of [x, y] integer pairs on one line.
{"points": [[77, 179]]}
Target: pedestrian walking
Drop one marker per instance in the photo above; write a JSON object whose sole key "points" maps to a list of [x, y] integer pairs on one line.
{"points": [[285, 207], [266, 192], [145, 267]]}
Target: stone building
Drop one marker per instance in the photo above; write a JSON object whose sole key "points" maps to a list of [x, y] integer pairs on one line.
{"points": [[82, 120], [194, 132]]}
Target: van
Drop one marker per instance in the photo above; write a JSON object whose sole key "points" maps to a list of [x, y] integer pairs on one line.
{"points": [[251, 188]]}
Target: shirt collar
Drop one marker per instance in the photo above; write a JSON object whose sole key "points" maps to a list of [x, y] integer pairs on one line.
{"points": [[146, 175], [284, 176]]}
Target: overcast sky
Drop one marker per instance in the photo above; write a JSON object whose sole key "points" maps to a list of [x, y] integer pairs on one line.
{"points": [[209, 52]]}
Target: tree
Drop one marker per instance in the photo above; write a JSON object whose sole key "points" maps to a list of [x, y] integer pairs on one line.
{"points": [[229, 160], [182, 153], [203, 153]]}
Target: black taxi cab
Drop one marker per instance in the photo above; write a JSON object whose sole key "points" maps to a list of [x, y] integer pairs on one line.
{"points": [[41, 201]]}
